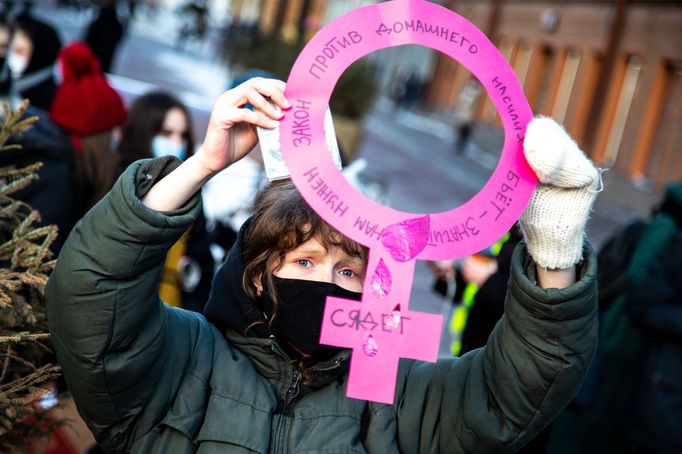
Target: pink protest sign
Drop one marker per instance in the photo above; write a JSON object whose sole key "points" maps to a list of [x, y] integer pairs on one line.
{"points": [[381, 329]]}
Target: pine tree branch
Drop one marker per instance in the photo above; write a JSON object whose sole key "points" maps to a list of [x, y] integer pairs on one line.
{"points": [[13, 124], [16, 390], [21, 244], [19, 360], [43, 253], [17, 179], [5, 363], [25, 261], [24, 337]]}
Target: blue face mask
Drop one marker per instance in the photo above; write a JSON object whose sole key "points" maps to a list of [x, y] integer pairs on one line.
{"points": [[163, 146]]}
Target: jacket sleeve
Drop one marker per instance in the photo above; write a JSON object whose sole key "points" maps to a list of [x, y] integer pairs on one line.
{"points": [[113, 336], [496, 398]]}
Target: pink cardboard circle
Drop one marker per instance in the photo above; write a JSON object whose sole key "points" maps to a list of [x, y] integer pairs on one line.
{"points": [[459, 232]]}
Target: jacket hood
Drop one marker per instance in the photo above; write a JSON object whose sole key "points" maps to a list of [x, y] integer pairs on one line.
{"points": [[45, 39], [232, 312], [228, 306]]}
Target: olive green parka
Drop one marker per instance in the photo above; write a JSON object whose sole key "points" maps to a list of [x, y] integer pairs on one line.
{"points": [[149, 378]]}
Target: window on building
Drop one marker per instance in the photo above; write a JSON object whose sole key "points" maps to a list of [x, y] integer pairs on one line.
{"points": [[622, 110], [522, 61], [541, 93], [665, 158], [566, 84]]}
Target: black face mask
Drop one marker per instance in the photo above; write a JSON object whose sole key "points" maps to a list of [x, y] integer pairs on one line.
{"points": [[299, 315]]}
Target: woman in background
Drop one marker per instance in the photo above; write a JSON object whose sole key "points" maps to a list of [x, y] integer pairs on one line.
{"points": [[88, 109], [31, 59], [160, 125]]}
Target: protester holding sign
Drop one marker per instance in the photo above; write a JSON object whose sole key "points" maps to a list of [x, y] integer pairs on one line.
{"points": [[251, 374]]}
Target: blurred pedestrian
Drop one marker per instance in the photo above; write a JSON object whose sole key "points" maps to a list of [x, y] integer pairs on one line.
{"points": [[160, 125], [195, 14], [397, 87], [243, 181], [465, 113], [104, 34], [91, 112], [412, 90], [655, 309], [480, 282], [251, 375], [631, 400], [31, 60]]}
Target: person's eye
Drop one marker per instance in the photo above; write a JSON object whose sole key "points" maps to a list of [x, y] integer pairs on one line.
{"points": [[304, 263], [348, 273]]}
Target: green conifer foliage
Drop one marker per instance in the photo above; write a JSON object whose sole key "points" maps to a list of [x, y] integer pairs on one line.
{"points": [[25, 263]]}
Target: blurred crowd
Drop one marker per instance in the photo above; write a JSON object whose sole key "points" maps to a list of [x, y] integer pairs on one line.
{"points": [[87, 135], [631, 400]]}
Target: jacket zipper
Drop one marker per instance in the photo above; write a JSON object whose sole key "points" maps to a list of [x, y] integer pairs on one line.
{"points": [[327, 365], [277, 349], [293, 389], [292, 392], [282, 420]]}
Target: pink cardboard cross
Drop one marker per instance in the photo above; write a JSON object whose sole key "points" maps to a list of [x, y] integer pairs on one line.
{"points": [[381, 329]]}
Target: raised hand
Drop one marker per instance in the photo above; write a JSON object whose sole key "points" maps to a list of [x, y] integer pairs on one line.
{"points": [[554, 222], [231, 133], [230, 136]]}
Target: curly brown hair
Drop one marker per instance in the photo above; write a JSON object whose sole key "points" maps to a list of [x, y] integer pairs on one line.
{"points": [[281, 222]]}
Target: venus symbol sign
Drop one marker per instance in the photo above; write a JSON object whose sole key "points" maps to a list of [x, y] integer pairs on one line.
{"points": [[381, 328]]}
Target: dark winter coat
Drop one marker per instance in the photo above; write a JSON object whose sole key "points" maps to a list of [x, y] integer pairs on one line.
{"points": [[55, 193], [149, 378], [605, 416], [656, 311]]}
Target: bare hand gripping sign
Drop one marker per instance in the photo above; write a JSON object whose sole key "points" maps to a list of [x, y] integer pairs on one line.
{"points": [[381, 329]]}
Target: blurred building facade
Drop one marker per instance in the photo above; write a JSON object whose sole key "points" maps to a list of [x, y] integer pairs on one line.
{"points": [[610, 70]]}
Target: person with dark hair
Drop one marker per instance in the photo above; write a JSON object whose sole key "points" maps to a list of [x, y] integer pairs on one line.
{"points": [[88, 109], [250, 375], [160, 125], [31, 60]]}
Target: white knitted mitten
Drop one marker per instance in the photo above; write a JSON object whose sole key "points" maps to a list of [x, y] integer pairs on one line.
{"points": [[553, 224]]}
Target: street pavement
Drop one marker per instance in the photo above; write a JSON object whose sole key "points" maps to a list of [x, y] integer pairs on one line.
{"points": [[411, 153]]}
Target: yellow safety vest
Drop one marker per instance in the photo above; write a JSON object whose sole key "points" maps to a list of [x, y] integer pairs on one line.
{"points": [[460, 314]]}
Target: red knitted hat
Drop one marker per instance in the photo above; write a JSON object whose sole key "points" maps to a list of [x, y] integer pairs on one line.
{"points": [[85, 103]]}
